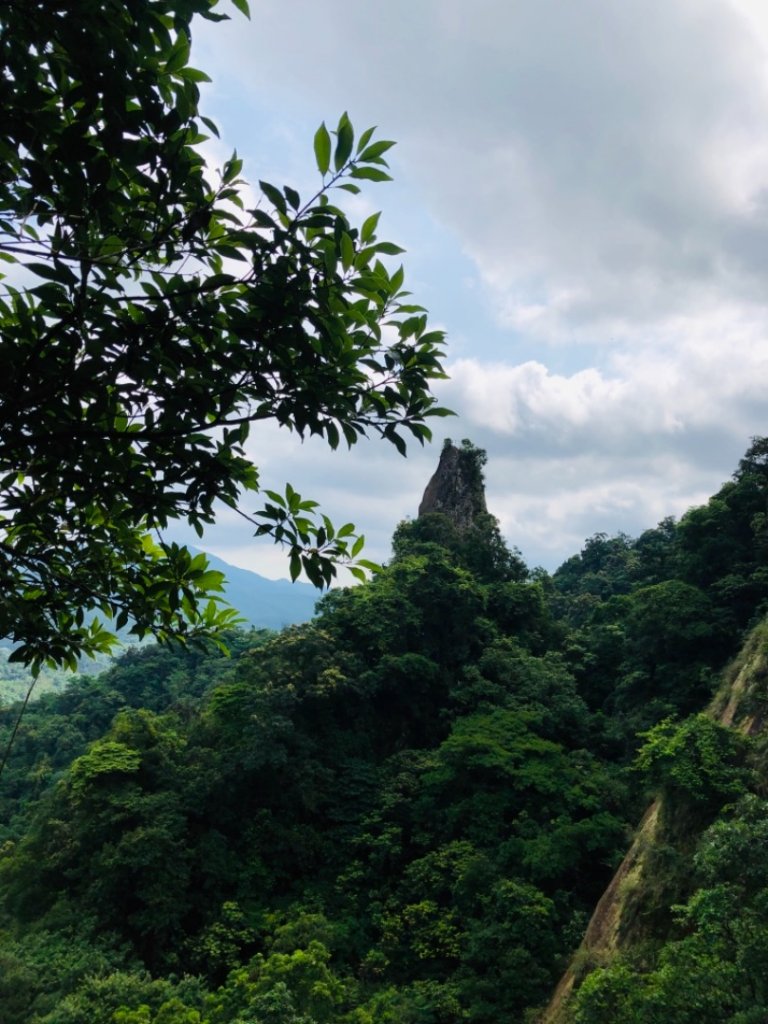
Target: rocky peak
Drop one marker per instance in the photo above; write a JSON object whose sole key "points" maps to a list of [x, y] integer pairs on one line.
{"points": [[457, 488]]}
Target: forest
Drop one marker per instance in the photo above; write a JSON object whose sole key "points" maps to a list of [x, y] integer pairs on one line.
{"points": [[407, 809], [467, 789]]}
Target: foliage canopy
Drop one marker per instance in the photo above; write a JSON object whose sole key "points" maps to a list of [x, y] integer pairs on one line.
{"points": [[151, 315], [406, 809]]}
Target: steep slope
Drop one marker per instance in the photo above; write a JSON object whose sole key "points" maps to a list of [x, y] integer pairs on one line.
{"points": [[740, 704], [388, 814], [263, 603]]}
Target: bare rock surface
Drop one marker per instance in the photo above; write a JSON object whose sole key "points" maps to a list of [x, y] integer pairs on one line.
{"points": [[456, 488]]}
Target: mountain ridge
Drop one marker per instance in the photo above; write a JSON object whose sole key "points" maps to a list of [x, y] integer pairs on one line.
{"points": [[265, 603]]}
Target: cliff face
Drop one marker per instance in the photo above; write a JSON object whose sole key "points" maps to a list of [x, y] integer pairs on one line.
{"points": [[456, 488], [740, 704]]}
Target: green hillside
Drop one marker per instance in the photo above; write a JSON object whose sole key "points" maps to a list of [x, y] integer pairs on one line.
{"points": [[261, 603], [408, 809], [680, 932]]}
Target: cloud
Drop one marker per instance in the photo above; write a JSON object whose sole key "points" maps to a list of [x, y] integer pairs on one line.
{"points": [[617, 165], [604, 164], [547, 509], [604, 167], [618, 448], [691, 379]]}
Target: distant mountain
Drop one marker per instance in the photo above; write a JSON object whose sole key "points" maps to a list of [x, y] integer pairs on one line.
{"points": [[270, 604], [263, 603]]}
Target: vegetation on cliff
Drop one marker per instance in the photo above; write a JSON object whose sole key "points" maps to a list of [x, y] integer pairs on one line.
{"points": [[407, 809]]}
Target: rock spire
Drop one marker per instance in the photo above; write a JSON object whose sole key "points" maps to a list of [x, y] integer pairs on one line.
{"points": [[457, 488]]}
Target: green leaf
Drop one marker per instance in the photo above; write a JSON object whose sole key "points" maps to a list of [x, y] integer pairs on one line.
{"points": [[218, 281], [323, 149], [398, 442], [350, 434], [178, 56], [345, 140], [262, 219], [365, 138], [432, 338], [53, 295], [211, 580], [277, 498], [232, 168], [295, 566], [370, 566], [230, 253], [370, 173], [389, 248], [347, 251], [375, 151], [194, 75], [58, 272], [368, 230], [242, 6], [274, 195]]}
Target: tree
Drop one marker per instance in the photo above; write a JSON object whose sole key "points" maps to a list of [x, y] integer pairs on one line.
{"points": [[149, 319], [696, 764]]}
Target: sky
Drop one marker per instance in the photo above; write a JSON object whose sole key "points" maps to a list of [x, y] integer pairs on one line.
{"points": [[582, 190]]}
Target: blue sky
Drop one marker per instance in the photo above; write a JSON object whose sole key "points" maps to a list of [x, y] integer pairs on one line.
{"points": [[582, 191]]}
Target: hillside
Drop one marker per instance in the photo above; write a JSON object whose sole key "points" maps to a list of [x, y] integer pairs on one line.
{"points": [[265, 603], [408, 809], [262, 603], [686, 909]]}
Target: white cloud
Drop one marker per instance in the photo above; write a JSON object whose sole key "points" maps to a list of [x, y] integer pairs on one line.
{"points": [[621, 448], [548, 510], [528, 399], [604, 165], [625, 169]]}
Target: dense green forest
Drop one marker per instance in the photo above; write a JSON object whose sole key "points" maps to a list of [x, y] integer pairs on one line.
{"points": [[406, 810], [260, 603]]}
